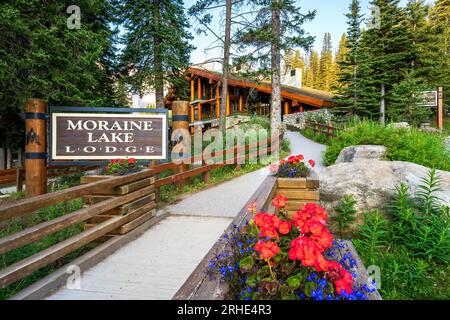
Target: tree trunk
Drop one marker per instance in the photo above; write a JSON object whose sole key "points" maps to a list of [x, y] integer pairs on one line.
{"points": [[383, 105], [158, 56], [2, 159], [275, 100], [225, 68], [8, 158]]}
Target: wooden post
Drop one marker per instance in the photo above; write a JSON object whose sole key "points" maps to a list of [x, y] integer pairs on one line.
{"points": [[241, 103], [218, 101], [228, 104], [440, 109], [286, 107], [35, 148], [180, 118], [200, 94], [192, 90], [19, 179]]}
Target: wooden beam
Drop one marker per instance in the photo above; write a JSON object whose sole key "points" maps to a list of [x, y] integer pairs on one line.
{"points": [[228, 103]]}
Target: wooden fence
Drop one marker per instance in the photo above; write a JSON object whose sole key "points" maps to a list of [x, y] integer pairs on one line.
{"points": [[319, 128], [17, 175], [113, 206]]}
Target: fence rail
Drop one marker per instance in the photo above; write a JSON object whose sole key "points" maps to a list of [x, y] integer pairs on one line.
{"points": [[17, 175], [319, 128]]}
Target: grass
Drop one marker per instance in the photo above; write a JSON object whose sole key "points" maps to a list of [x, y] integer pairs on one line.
{"points": [[427, 149], [18, 224]]}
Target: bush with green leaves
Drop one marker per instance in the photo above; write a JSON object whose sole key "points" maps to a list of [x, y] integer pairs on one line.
{"points": [[421, 224], [423, 148], [411, 246], [345, 215]]}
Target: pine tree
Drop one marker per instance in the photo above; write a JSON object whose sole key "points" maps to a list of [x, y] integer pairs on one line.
{"points": [[276, 26], [437, 54], [41, 57], [390, 49], [327, 69], [156, 44], [355, 89]]}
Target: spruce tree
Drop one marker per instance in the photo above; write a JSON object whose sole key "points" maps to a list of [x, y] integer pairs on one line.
{"points": [[41, 57], [327, 70], [156, 45], [275, 27], [390, 49]]}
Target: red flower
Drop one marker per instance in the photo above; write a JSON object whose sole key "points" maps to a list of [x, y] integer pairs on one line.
{"points": [[280, 201], [318, 232], [267, 249], [342, 279], [131, 161], [108, 167], [309, 211], [312, 163], [285, 227], [252, 207], [308, 252], [265, 223]]}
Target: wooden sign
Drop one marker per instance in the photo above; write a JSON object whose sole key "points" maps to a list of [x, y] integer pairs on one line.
{"points": [[105, 136], [429, 98]]}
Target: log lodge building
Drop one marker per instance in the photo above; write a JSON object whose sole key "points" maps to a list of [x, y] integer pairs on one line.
{"points": [[246, 96]]}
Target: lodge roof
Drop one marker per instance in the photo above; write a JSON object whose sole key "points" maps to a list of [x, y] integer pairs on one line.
{"points": [[304, 95]]}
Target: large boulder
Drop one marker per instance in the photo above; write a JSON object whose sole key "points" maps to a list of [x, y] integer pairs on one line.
{"points": [[365, 152], [372, 182]]}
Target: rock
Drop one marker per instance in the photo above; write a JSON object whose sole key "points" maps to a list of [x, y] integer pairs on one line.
{"points": [[298, 119], [399, 125], [447, 143], [357, 153], [372, 183]]}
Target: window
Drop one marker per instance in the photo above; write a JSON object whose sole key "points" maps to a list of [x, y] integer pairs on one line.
{"points": [[293, 73]]}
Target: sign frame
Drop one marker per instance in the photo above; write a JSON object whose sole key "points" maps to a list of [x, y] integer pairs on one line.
{"points": [[435, 95], [108, 110]]}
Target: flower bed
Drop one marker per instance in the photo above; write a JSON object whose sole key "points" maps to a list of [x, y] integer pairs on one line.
{"points": [[275, 257], [218, 275]]}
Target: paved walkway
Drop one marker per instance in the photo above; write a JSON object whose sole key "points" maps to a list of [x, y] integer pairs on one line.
{"points": [[157, 264]]}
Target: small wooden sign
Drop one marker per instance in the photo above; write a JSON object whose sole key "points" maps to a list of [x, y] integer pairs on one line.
{"points": [[429, 98], [105, 136]]}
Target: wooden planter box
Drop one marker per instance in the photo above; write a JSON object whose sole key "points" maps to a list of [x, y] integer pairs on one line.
{"points": [[137, 211], [299, 191], [201, 286]]}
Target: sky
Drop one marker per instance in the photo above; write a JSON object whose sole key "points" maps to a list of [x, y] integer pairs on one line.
{"points": [[330, 17]]}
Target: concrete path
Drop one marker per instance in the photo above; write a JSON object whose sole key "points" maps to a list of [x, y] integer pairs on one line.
{"points": [[154, 266], [157, 264]]}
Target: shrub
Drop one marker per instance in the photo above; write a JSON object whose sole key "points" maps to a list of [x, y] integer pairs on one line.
{"points": [[344, 215], [427, 149], [412, 250]]}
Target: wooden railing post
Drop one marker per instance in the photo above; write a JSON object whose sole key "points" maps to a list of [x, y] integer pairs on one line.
{"points": [[35, 148], [19, 179]]}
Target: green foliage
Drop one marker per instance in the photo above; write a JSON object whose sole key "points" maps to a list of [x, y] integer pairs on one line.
{"points": [[156, 44], [40, 57], [345, 215], [412, 250], [423, 148], [421, 225], [372, 235]]}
